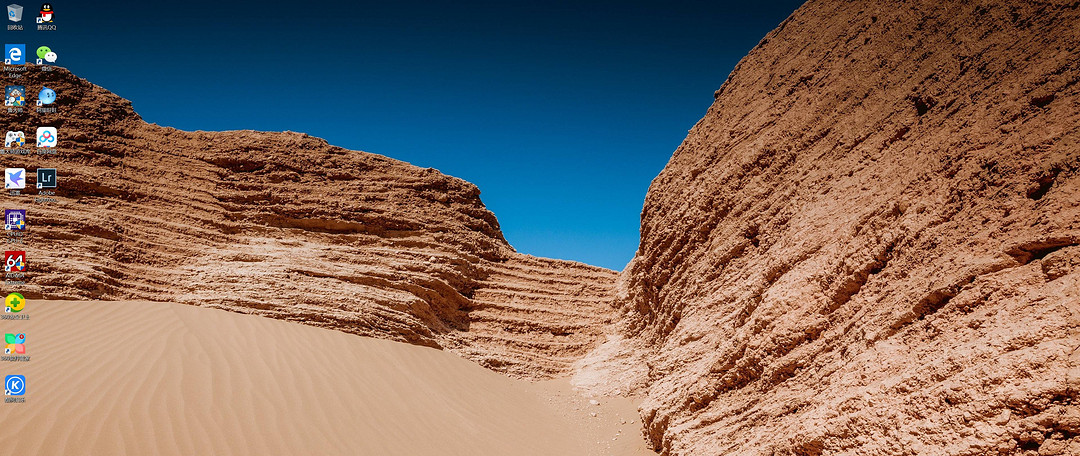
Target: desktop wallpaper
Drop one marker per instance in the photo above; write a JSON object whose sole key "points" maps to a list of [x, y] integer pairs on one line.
{"points": [[603, 228]]}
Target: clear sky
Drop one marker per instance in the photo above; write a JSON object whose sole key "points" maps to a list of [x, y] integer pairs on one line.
{"points": [[561, 112]]}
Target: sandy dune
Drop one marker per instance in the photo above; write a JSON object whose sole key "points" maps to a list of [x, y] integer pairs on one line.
{"points": [[152, 378]]}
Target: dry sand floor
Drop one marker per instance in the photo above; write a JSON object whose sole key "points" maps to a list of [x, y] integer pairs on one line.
{"points": [[143, 378]]}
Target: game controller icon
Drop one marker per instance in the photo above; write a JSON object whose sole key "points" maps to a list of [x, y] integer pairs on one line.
{"points": [[14, 139]]}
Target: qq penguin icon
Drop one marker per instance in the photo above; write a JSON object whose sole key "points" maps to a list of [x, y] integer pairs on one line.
{"points": [[46, 15], [46, 137]]}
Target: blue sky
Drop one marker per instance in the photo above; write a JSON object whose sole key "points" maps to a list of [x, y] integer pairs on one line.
{"points": [[561, 112]]}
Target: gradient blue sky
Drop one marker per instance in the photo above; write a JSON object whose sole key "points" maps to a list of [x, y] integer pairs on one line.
{"points": [[562, 113]]}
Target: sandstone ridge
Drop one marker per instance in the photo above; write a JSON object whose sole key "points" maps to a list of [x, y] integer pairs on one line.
{"points": [[287, 226]]}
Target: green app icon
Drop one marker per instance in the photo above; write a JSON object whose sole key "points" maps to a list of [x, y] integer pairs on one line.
{"points": [[41, 51]]}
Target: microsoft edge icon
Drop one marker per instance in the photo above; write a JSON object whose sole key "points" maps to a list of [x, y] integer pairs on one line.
{"points": [[14, 54], [14, 385]]}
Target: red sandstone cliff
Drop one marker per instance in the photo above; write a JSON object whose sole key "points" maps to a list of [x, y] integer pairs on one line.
{"points": [[870, 244], [285, 225]]}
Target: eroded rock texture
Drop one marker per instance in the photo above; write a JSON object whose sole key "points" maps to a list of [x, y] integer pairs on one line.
{"points": [[285, 225], [870, 243]]}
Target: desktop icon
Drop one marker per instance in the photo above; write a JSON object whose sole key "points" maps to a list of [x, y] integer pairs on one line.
{"points": [[14, 385], [44, 54], [14, 178], [46, 137], [15, 219], [14, 139], [15, 344], [14, 261], [14, 12], [14, 303], [14, 95], [46, 178], [46, 15], [46, 96], [14, 54]]}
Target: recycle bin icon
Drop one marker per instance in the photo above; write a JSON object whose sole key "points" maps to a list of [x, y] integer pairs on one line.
{"points": [[14, 12]]}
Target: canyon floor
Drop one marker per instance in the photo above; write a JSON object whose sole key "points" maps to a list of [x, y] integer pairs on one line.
{"points": [[130, 377]]}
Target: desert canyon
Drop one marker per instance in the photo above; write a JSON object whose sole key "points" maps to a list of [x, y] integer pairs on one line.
{"points": [[869, 244]]}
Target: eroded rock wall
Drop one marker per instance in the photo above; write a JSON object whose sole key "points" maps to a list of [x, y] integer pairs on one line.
{"points": [[287, 226], [870, 243]]}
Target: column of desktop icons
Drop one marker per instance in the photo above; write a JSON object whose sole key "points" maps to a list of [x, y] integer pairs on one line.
{"points": [[15, 264], [15, 350], [15, 267], [16, 98]]}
